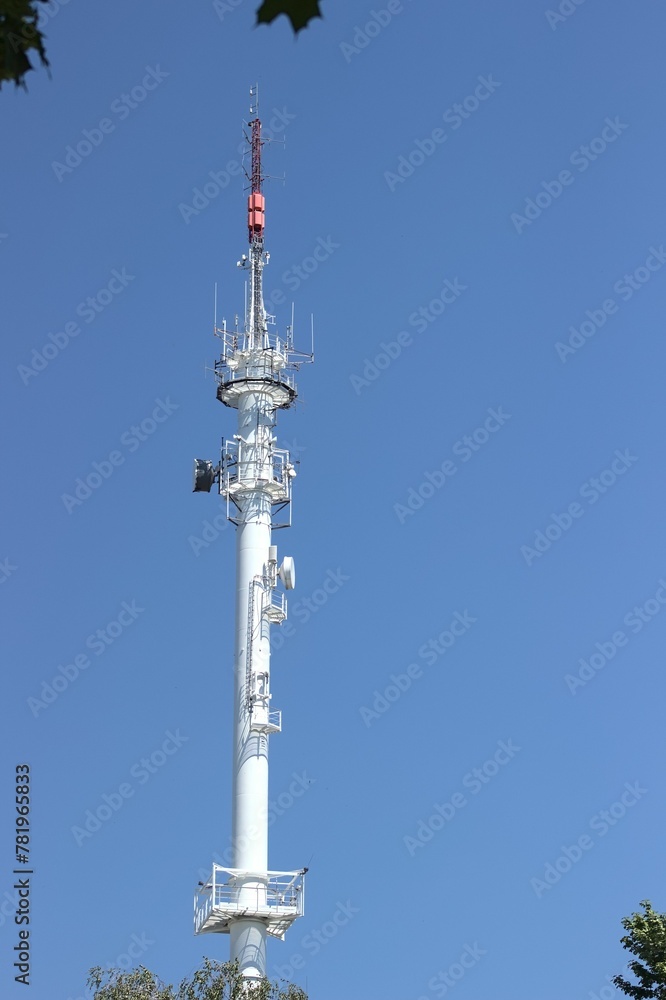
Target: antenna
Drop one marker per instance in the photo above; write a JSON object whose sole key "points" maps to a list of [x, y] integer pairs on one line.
{"points": [[254, 100], [255, 323], [256, 376]]}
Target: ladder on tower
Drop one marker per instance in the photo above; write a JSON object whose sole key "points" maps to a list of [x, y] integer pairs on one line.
{"points": [[261, 719], [248, 651]]}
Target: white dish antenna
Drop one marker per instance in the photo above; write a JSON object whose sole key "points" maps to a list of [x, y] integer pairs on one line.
{"points": [[287, 573]]}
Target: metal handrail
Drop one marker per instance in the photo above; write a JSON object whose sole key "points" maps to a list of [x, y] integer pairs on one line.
{"points": [[232, 458], [283, 376], [281, 888], [278, 602], [278, 898]]}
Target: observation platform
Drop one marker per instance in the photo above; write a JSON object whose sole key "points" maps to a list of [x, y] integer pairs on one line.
{"points": [[280, 392], [275, 898], [263, 371]]}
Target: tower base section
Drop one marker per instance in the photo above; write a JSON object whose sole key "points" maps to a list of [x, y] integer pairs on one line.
{"points": [[274, 899]]}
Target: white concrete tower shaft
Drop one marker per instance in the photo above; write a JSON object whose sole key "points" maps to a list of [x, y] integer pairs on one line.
{"points": [[251, 673], [256, 377]]}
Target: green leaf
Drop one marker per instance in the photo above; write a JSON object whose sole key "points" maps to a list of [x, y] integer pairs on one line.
{"points": [[299, 12]]}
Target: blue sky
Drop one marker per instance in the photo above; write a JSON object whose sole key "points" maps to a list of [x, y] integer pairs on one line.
{"points": [[472, 706]]}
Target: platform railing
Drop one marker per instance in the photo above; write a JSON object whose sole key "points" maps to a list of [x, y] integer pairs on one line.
{"points": [[273, 895]]}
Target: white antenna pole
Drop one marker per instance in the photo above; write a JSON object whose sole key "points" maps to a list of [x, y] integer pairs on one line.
{"points": [[256, 377]]}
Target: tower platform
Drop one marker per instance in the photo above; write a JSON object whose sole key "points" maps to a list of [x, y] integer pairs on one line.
{"points": [[277, 901]]}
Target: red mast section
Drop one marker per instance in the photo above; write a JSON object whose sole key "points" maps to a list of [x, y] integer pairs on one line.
{"points": [[256, 203], [256, 221]]}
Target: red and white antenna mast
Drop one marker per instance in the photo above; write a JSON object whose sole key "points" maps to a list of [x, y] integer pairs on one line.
{"points": [[256, 221], [255, 376]]}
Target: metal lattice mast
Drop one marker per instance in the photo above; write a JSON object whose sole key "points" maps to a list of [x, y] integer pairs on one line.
{"points": [[256, 319], [256, 376]]}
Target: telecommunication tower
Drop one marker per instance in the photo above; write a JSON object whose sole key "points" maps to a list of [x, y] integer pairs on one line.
{"points": [[255, 375]]}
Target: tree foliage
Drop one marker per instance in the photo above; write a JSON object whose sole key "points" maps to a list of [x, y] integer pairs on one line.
{"points": [[18, 35], [646, 938], [299, 12], [213, 981], [19, 31]]}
